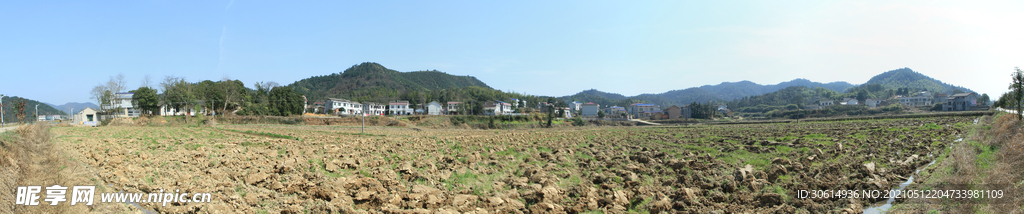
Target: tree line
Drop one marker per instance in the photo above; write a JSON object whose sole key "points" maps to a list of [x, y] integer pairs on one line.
{"points": [[268, 98]]}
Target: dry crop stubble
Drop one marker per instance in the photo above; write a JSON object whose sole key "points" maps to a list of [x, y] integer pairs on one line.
{"points": [[689, 169]]}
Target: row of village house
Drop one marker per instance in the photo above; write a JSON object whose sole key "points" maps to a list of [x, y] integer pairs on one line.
{"points": [[336, 106], [957, 102]]}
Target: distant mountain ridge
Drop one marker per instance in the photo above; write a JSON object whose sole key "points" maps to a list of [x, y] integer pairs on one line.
{"points": [[76, 107], [372, 82], [724, 91], [728, 91]]}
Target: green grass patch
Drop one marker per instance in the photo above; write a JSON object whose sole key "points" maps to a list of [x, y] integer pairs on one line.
{"points": [[705, 149], [930, 126], [816, 136], [247, 143], [637, 205], [264, 134], [986, 155], [783, 149], [192, 147]]}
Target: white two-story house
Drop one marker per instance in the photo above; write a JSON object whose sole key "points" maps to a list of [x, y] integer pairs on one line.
{"points": [[374, 109], [400, 107], [340, 106]]}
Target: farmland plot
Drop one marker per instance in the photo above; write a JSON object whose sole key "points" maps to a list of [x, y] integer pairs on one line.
{"points": [[695, 169]]}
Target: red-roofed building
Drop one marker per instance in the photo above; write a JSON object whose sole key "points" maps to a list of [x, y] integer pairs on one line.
{"points": [[452, 108]]}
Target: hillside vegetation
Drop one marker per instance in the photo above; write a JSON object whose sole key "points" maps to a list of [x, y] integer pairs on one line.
{"points": [[372, 82], [11, 109], [906, 78], [749, 95]]}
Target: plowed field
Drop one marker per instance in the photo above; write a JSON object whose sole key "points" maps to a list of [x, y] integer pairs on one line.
{"points": [[690, 169]]}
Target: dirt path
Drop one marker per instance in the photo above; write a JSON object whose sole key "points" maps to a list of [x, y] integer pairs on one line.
{"points": [[8, 128], [645, 122], [31, 159]]}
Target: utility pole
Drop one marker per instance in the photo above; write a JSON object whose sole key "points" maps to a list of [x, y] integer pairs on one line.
{"points": [[364, 123], [37, 112]]}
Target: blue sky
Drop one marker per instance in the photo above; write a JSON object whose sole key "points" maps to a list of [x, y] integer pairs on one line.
{"points": [[57, 51]]}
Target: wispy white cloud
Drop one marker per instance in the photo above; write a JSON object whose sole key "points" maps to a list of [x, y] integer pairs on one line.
{"points": [[220, 44], [229, 5]]}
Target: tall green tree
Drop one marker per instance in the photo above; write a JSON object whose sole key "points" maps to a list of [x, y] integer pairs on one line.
{"points": [[179, 94], [285, 102], [1005, 101], [984, 99], [862, 95], [146, 99], [1018, 91], [702, 111], [233, 91], [551, 111]]}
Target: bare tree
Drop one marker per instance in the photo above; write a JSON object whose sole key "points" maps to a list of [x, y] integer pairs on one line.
{"points": [[115, 85], [97, 95], [269, 85], [228, 87], [167, 83], [165, 86], [103, 97], [146, 81]]}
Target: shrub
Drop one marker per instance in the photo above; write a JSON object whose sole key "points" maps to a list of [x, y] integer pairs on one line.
{"points": [[457, 120], [576, 121]]}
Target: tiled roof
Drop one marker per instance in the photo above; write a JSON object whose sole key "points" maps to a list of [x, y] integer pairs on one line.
{"points": [[961, 94]]}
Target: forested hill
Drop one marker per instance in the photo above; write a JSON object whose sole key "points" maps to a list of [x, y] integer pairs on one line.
{"points": [[734, 90], [372, 82], [11, 109], [910, 79], [709, 93]]}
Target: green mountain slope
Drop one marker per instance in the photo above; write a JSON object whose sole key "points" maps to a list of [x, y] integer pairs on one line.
{"points": [[709, 93], [906, 78], [373, 82], [10, 109], [602, 98]]}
